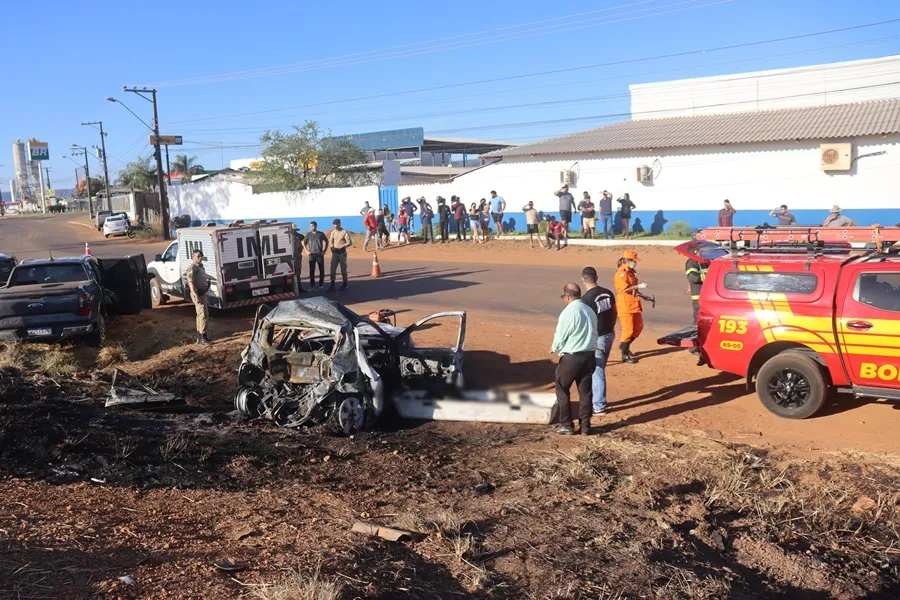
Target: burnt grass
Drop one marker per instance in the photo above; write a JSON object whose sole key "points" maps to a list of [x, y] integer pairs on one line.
{"points": [[91, 494]]}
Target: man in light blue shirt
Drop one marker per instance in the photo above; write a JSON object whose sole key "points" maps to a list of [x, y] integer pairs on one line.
{"points": [[576, 335], [498, 207]]}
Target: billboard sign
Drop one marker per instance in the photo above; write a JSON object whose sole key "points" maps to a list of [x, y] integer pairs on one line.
{"points": [[166, 140], [38, 150]]}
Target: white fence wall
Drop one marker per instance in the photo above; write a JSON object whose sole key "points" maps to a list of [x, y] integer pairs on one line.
{"points": [[229, 201]]}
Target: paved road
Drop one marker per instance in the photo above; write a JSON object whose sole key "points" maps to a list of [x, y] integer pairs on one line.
{"points": [[515, 292]]}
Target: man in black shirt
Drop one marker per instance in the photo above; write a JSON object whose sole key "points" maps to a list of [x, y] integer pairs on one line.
{"points": [[298, 258], [603, 302], [444, 219]]}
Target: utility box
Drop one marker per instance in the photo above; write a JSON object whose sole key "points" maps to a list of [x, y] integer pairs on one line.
{"points": [[836, 157]]}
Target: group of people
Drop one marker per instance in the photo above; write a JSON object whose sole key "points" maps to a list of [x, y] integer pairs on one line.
{"points": [[478, 217], [784, 218], [584, 338], [315, 244]]}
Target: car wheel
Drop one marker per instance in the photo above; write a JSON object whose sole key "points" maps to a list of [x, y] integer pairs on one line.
{"points": [[157, 298], [348, 417], [246, 401], [106, 235], [97, 338], [791, 385]]}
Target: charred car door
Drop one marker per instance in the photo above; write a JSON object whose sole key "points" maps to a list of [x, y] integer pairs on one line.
{"points": [[126, 284], [422, 367]]}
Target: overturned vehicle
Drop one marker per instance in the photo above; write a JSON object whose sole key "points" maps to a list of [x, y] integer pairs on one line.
{"points": [[314, 361]]}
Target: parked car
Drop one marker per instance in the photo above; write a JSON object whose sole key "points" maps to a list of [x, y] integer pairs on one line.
{"points": [[315, 361], [116, 224], [7, 262], [100, 218], [48, 300]]}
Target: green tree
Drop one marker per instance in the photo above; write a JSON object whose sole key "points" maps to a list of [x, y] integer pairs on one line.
{"points": [[186, 166], [139, 174], [308, 158]]}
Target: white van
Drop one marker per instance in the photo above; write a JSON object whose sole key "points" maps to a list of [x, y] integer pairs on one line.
{"points": [[247, 263]]}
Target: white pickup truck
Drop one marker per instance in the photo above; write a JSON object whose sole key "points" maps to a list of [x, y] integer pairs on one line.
{"points": [[247, 263]]}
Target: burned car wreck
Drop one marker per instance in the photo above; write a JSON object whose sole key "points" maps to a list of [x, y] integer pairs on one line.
{"points": [[315, 361]]}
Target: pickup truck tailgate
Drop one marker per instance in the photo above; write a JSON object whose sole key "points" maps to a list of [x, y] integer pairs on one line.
{"points": [[33, 300]]}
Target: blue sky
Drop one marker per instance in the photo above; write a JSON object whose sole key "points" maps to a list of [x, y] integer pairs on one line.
{"points": [[60, 59]]}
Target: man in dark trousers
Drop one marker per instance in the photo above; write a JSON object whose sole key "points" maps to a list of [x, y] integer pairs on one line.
{"points": [[459, 215], [603, 302], [444, 219], [695, 271], [575, 338], [298, 258], [316, 244], [339, 240]]}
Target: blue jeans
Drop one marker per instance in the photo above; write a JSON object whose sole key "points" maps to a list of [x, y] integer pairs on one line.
{"points": [[598, 382], [607, 221]]}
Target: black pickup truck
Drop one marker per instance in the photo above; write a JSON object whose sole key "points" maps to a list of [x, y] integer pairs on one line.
{"points": [[54, 299]]}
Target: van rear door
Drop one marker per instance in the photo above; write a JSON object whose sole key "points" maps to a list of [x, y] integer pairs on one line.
{"points": [[239, 251], [125, 280], [276, 246]]}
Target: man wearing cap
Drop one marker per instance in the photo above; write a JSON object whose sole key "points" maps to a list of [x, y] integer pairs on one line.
{"points": [[566, 205], [576, 334], [628, 303], [339, 240], [198, 283], [371, 224], [444, 213], [836, 219]]}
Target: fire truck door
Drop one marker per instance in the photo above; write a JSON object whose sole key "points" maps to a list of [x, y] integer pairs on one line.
{"points": [[869, 324]]}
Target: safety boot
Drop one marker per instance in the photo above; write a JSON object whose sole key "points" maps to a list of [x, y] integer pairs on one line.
{"points": [[626, 354]]}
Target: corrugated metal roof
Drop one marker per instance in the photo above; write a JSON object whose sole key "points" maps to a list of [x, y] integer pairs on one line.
{"points": [[807, 123]]}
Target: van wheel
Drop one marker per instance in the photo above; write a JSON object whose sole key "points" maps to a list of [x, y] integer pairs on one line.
{"points": [[348, 416], [97, 338], [791, 385], [157, 298]]}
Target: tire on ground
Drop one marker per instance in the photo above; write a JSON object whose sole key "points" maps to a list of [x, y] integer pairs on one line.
{"points": [[97, 338], [799, 364], [157, 298]]}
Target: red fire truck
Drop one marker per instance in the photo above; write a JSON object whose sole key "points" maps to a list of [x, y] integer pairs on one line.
{"points": [[802, 312]]}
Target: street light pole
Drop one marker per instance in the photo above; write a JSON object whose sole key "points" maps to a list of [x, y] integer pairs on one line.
{"points": [[105, 168], [87, 175], [163, 192]]}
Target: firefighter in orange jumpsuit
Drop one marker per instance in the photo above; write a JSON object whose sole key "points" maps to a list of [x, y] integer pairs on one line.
{"points": [[628, 303]]}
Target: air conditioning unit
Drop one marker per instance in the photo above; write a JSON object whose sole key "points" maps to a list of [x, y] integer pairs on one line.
{"points": [[644, 174], [836, 157], [567, 177]]}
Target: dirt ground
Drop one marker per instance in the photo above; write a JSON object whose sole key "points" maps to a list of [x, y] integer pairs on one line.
{"points": [[687, 489], [655, 504]]}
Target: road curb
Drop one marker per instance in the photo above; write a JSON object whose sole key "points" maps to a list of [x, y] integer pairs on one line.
{"points": [[82, 224]]}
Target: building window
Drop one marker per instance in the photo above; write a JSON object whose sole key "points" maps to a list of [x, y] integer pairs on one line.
{"points": [[881, 290], [778, 283]]}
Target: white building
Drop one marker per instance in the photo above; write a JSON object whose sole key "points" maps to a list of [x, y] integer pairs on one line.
{"points": [[758, 139]]}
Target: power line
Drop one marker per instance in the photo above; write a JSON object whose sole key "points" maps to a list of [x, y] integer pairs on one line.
{"points": [[404, 51], [552, 72]]}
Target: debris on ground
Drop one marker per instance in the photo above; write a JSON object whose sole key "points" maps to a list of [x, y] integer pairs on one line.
{"points": [[387, 533], [127, 391]]}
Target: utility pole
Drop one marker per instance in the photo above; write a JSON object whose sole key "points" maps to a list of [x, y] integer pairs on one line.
{"points": [[105, 168], [76, 150], [168, 168], [47, 172], [163, 192]]}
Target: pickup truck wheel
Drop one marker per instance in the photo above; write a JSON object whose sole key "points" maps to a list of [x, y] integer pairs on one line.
{"points": [[791, 385], [348, 417], [97, 338], [157, 298]]}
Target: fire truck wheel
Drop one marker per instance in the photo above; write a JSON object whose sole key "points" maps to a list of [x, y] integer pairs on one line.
{"points": [[791, 385]]}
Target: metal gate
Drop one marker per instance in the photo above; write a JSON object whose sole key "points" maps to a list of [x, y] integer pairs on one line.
{"points": [[388, 194]]}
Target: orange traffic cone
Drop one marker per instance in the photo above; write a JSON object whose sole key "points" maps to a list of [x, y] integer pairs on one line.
{"points": [[376, 269], [87, 248]]}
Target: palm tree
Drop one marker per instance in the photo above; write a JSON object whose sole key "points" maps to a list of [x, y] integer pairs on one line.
{"points": [[186, 165], [139, 174]]}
